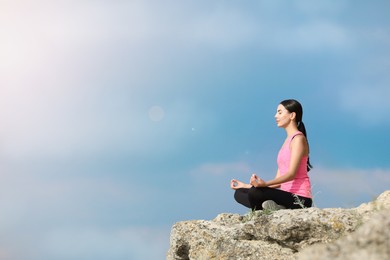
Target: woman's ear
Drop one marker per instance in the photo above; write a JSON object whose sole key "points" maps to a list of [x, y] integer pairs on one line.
{"points": [[293, 115]]}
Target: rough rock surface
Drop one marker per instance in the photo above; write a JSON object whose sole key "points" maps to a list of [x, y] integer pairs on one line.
{"points": [[311, 233]]}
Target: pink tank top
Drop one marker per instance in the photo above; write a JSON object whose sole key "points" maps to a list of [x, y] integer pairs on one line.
{"points": [[301, 184]]}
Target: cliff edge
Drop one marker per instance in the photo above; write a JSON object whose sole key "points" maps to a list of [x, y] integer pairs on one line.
{"points": [[311, 233]]}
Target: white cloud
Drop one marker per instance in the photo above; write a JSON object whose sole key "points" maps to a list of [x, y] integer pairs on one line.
{"points": [[53, 197], [379, 35], [88, 242], [315, 35], [348, 185], [366, 94], [367, 103], [138, 242], [221, 169], [320, 8], [223, 28], [63, 215]]}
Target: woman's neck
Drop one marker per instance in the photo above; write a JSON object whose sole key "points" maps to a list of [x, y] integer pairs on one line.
{"points": [[291, 129]]}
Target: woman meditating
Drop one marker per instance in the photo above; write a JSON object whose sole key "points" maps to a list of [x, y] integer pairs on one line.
{"points": [[291, 188]]}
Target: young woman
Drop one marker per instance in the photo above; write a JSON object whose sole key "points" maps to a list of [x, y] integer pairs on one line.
{"points": [[291, 187]]}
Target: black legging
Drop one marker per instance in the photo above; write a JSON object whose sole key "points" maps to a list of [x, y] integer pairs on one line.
{"points": [[254, 197]]}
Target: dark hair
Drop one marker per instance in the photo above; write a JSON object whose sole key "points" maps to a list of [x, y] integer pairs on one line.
{"points": [[294, 106]]}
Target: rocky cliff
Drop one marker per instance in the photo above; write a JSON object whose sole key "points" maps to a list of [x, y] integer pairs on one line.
{"points": [[312, 233]]}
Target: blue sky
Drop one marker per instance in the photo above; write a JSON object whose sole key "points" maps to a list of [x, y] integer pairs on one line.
{"points": [[120, 118]]}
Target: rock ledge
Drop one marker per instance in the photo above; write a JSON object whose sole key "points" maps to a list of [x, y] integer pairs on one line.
{"points": [[313, 233]]}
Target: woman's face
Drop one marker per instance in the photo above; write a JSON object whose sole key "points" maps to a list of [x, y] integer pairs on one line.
{"points": [[282, 116]]}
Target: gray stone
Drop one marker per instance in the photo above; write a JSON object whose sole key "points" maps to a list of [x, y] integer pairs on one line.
{"points": [[370, 241], [287, 234]]}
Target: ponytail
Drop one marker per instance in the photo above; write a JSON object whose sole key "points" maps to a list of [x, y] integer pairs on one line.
{"points": [[301, 128]]}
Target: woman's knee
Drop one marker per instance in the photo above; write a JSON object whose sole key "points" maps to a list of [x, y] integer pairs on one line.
{"points": [[241, 196], [237, 195]]}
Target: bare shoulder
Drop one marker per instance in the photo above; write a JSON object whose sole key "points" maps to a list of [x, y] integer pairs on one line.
{"points": [[299, 141], [298, 138]]}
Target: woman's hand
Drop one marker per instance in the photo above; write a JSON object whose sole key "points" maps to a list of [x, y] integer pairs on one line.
{"points": [[256, 181], [235, 184]]}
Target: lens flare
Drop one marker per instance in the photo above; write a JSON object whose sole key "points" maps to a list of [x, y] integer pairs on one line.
{"points": [[156, 113]]}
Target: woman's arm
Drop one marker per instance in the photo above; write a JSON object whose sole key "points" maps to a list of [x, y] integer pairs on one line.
{"points": [[298, 148]]}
